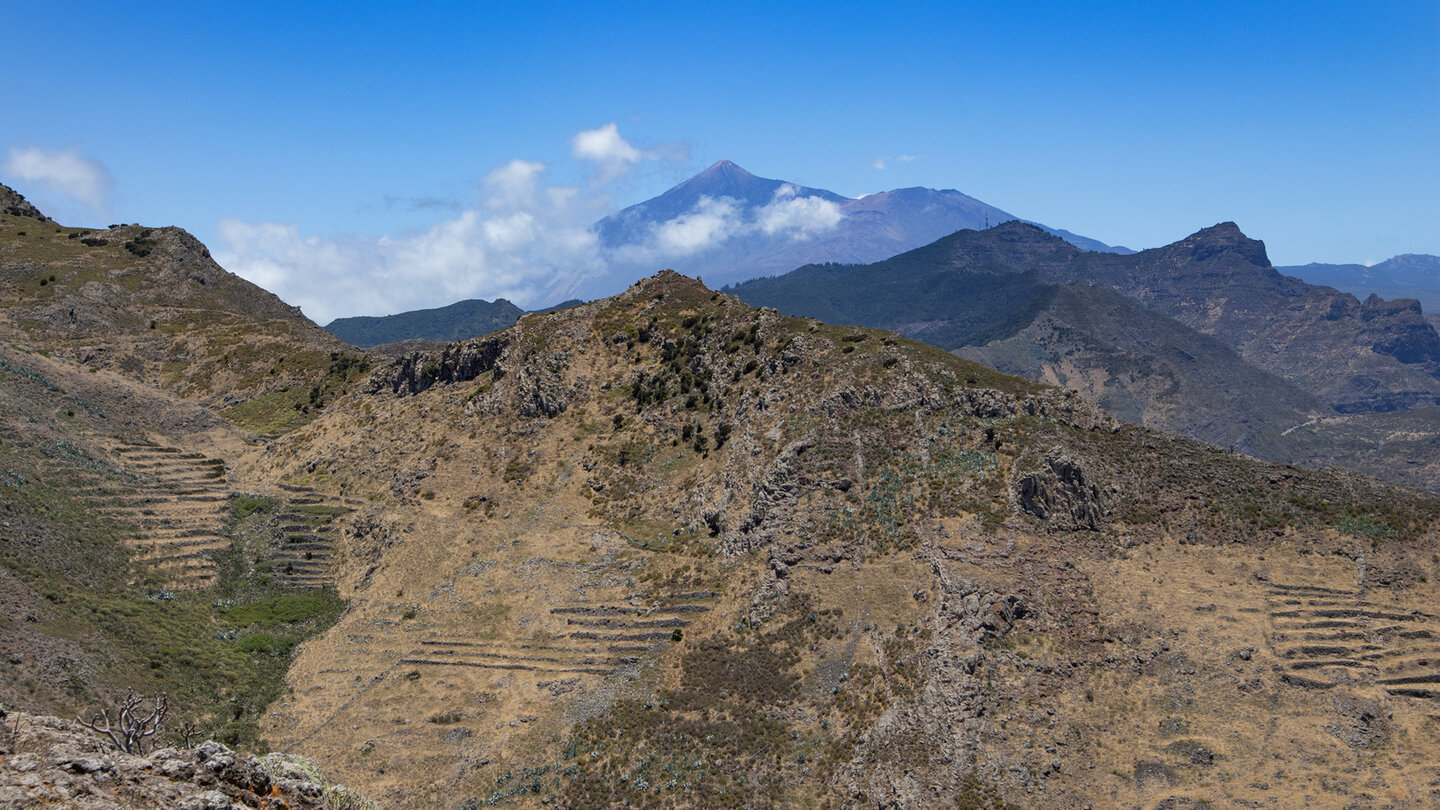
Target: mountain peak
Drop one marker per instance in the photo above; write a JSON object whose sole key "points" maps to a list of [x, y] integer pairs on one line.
{"points": [[726, 167], [1225, 237], [725, 178]]}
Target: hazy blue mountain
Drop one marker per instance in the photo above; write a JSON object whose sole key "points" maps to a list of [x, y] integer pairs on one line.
{"points": [[1409, 275], [727, 225], [458, 321]]}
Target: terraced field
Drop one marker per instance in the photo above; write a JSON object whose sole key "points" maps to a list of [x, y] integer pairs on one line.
{"points": [[176, 507], [595, 639], [303, 554], [1330, 637], [176, 501]]}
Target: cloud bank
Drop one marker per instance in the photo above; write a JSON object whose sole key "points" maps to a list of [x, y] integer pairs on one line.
{"points": [[713, 222], [523, 237], [62, 173]]}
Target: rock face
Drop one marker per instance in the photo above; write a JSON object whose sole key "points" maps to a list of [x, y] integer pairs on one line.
{"points": [[46, 762], [1060, 492], [1356, 356]]}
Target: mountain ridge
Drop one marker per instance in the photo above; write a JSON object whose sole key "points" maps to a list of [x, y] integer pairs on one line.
{"points": [[1408, 275], [991, 295], [457, 321]]}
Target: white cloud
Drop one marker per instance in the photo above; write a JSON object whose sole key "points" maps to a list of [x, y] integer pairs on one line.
{"points": [[523, 239], [605, 145], [63, 172], [708, 224], [804, 217], [513, 185], [612, 155], [713, 222], [883, 163]]}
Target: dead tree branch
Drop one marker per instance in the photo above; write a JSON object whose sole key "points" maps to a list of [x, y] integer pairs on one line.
{"points": [[132, 725]]}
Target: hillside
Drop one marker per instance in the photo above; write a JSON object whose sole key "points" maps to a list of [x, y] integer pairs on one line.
{"points": [[1358, 356], [649, 548], [669, 550], [1263, 361], [152, 305], [133, 555]]}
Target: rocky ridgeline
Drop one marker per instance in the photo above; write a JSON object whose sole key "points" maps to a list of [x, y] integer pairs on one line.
{"points": [[48, 762]]}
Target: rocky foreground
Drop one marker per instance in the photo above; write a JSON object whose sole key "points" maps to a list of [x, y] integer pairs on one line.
{"points": [[46, 762]]}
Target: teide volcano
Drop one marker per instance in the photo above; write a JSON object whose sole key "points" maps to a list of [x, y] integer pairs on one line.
{"points": [[726, 225]]}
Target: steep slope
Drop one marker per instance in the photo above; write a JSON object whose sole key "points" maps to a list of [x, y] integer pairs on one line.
{"points": [[458, 321], [133, 553], [1410, 275], [1150, 370], [669, 550], [151, 304]]}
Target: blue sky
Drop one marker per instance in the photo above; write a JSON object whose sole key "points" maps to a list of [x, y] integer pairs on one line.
{"points": [[313, 142]]}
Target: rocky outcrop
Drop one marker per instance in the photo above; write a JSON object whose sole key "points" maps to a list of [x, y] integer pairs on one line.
{"points": [[458, 362], [46, 761], [1059, 491], [773, 500]]}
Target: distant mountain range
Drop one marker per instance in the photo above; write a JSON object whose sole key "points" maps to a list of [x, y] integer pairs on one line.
{"points": [[1410, 275], [458, 321], [1202, 337], [727, 225]]}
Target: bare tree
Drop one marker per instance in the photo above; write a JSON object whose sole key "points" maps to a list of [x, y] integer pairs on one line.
{"points": [[133, 726], [187, 733]]}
